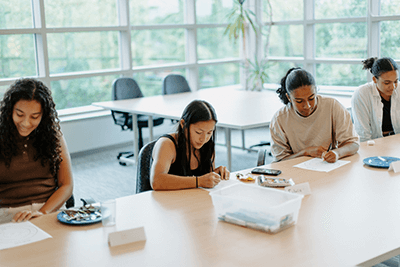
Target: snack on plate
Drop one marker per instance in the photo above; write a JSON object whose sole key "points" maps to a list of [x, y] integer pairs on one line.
{"points": [[245, 177]]}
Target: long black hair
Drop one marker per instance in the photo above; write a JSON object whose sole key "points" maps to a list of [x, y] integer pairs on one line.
{"points": [[379, 66], [47, 135], [294, 78], [196, 111]]}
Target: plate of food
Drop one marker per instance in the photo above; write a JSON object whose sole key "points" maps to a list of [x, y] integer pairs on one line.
{"points": [[380, 161], [87, 214]]}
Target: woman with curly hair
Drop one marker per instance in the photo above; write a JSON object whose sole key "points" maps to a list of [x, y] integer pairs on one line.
{"points": [[376, 105], [310, 124], [35, 166], [185, 159]]}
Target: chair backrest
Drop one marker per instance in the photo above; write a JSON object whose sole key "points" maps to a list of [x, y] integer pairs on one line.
{"points": [[143, 168], [175, 83], [125, 88]]}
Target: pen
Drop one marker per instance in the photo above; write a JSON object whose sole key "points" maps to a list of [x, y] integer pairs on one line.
{"points": [[330, 147]]}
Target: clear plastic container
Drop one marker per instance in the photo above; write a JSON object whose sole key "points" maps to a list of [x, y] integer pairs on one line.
{"points": [[261, 208]]}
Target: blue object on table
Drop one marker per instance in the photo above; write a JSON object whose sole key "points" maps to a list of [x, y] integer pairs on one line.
{"points": [[380, 161], [62, 217]]}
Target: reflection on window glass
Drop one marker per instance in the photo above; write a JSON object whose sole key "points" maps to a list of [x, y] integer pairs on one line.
{"points": [[390, 7], [61, 13], [156, 12], [17, 56], [209, 11], [213, 44], [390, 38], [340, 74], [340, 9], [15, 14], [155, 47], [81, 92], [219, 75], [287, 10], [286, 41], [83, 51], [341, 40], [276, 70], [150, 82]]}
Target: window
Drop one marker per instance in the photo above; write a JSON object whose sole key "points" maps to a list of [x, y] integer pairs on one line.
{"points": [[16, 14], [17, 55], [85, 45], [82, 51], [330, 38]]}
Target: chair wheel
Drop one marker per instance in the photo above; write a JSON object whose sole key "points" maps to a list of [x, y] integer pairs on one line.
{"points": [[122, 163]]}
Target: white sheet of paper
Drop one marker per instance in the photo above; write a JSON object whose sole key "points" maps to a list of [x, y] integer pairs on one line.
{"points": [[317, 164], [18, 234]]}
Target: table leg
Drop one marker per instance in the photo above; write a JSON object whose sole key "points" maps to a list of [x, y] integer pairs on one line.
{"points": [[228, 147], [243, 140], [150, 128], [135, 143], [135, 137]]}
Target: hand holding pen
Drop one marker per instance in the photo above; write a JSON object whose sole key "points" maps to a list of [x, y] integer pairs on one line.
{"points": [[330, 155]]}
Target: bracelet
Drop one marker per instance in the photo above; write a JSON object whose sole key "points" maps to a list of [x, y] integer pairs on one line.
{"points": [[197, 182]]}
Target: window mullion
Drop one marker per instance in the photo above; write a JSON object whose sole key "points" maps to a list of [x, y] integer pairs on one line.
{"points": [[309, 35], [125, 48], [42, 56], [192, 73]]}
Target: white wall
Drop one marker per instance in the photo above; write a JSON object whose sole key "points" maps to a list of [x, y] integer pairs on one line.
{"points": [[99, 132]]}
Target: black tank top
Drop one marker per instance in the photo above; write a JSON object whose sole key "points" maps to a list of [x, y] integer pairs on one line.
{"points": [[177, 167], [386, 118]]}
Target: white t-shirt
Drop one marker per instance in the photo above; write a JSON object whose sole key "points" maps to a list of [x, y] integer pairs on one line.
{"points": [[329, 123], [367, 110]]}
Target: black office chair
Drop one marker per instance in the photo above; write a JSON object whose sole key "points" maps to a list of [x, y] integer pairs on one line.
{"points": [[143, 168], [175, 83], [127, 88]]}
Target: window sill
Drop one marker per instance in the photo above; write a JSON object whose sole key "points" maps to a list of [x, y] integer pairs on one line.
{"points": [[82, 113]]}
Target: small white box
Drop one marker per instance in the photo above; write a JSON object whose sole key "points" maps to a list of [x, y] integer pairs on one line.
{"points": [[262, 208], [127, 236]]}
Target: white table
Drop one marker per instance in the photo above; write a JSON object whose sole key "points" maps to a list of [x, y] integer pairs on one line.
{"points": [[236, 109]]}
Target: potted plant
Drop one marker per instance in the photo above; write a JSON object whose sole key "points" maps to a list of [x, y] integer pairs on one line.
{"points": [[239, 20]]}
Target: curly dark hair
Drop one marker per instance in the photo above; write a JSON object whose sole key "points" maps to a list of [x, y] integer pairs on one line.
{"points": [[46, 136], [196, 111]]}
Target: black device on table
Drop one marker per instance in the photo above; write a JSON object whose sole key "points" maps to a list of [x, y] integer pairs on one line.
{"points": [[265, 171]]}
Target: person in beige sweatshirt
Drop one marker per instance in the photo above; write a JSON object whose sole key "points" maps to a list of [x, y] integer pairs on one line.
{"points": [[310, 124]]}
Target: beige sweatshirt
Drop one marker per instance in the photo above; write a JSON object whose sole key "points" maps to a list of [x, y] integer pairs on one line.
{"points": [[330, 123]]}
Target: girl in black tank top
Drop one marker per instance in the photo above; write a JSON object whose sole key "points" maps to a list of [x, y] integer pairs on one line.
{"points": [[194, 146]]}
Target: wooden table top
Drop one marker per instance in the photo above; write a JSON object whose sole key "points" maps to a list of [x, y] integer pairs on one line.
{"points": [[352, 216]]}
